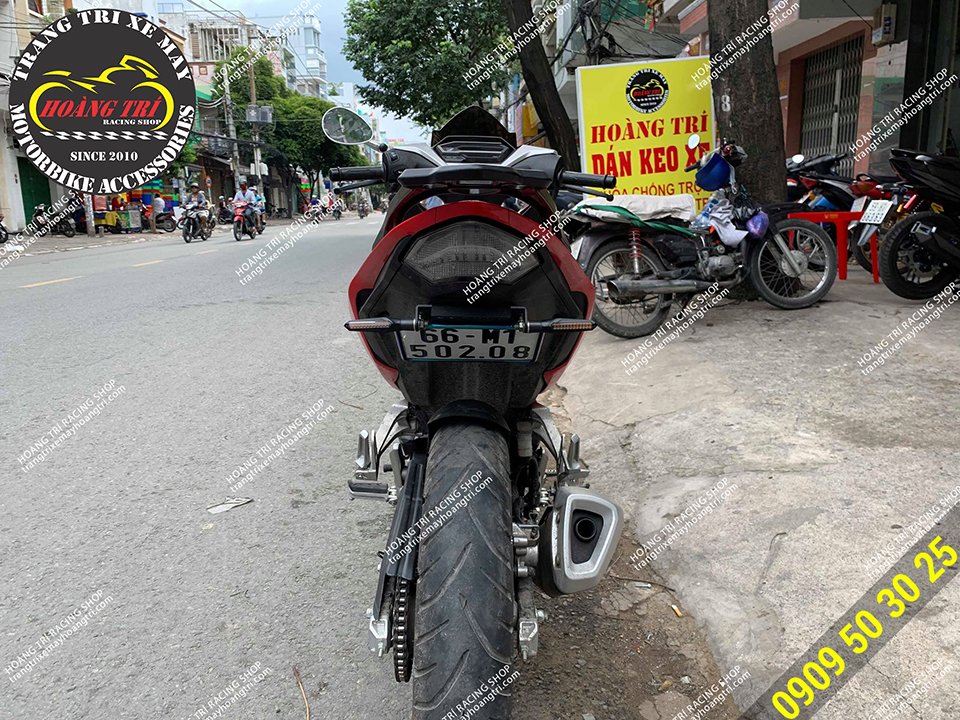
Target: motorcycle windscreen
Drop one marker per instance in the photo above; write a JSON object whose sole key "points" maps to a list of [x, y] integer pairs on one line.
{"points": [[473, 121]]}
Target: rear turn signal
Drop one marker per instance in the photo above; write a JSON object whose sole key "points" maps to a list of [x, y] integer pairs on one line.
{"points": [[369, 325], [571, 325]]}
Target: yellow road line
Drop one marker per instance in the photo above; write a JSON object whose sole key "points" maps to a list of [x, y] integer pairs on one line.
{"points": [[149, 262], [50, 282]]}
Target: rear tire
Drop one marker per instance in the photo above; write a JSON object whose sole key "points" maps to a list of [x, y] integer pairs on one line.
{"points": [[237, 231], [606, 313], [466, 615], [900, 241]]}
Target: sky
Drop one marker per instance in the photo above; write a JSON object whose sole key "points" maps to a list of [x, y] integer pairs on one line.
{"points": [[339, 68]]}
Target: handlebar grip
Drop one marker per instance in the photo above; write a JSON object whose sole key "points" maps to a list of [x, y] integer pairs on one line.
{"points": [[369, 172], [587, 179], [692, 167]]}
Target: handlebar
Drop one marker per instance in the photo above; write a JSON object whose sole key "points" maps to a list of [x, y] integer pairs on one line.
{"points": [[369, 172], [689, 168], [588, 180]]}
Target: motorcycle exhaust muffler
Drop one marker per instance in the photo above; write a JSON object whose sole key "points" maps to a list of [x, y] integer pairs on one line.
{"points": [[578, 541], [941, 239], [623, 288]]}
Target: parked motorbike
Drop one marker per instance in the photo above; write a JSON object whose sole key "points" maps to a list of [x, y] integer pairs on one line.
{"points": [[64, 226], [644, 253], [455, 603], [225, 215], [243, 220], [920, 255], [883, 205], [815, 184], [337, 210], [194, 222], [4, 233], [167, 221]]}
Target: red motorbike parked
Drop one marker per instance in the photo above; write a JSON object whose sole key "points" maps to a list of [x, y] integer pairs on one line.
{"points": [[471, 310]]}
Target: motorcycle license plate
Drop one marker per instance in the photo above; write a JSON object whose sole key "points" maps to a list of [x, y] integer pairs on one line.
{"points": [[459, 344], [876, 212]]}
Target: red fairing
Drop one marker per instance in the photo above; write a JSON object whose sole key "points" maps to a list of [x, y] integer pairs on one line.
{"points": [[366, 277]]}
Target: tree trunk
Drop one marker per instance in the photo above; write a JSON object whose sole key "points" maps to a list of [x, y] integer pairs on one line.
{"points": [[538, 75], [747, 95]]}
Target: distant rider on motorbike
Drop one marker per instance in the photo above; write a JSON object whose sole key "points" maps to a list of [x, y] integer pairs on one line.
{"points": [[258, 206], [249, 196], [196, 195]]}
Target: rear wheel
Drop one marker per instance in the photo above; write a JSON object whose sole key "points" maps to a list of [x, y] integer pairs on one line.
{"points": [[633, 318], [169, 224], [466, 616], [187, 234], [907, 268]]}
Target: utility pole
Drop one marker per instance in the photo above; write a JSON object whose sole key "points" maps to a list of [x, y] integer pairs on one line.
{"points": [[88, 214], [231, 131], [256, 126]]}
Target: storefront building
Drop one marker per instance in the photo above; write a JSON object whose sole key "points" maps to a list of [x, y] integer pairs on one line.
{"points": [[849, 73]]}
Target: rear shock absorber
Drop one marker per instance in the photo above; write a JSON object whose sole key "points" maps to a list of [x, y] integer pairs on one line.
{"points": [[636, 249]]}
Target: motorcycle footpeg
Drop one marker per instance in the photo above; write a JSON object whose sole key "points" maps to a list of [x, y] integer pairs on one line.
{"points": [[367, 489]]}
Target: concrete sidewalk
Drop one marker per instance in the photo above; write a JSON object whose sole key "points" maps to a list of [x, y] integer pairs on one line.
{"points": [[829, 464]]}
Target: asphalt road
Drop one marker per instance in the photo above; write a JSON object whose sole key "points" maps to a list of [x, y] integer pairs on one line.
{"points": [[210, 370]]}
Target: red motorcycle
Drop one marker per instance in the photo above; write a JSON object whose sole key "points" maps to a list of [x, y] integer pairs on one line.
{"points": [[243, 220], [471, 310]]}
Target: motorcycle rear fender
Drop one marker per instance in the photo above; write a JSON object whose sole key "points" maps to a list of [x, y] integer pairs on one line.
{"points": [[594, 239], [471, 411]]}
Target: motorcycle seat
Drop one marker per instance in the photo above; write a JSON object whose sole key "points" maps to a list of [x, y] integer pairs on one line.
{"points": [[641, 207]]}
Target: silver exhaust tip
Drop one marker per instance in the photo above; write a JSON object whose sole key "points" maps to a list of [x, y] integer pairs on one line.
{"points": [[578, 541]]}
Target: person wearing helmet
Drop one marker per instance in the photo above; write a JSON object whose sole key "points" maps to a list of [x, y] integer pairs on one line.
{"points": [[258, 206], [257, 203], [196, 195], [246, 194]]}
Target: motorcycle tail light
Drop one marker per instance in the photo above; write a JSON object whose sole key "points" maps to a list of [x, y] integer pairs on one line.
{"points": [[471, 249]]}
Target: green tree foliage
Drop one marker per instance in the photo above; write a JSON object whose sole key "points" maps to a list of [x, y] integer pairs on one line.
{"points": [[299, 136], [296, 137], [415, 53]]}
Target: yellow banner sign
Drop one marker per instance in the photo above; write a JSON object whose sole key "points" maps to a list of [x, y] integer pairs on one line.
{"points": [[635, 120]]}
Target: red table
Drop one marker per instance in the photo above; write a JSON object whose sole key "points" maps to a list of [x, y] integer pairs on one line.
{"points": [[840, 220]]}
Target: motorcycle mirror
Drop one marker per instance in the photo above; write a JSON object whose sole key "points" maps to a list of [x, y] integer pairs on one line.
{"points": [[798, 158], [346, 127], [693, 141]]}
